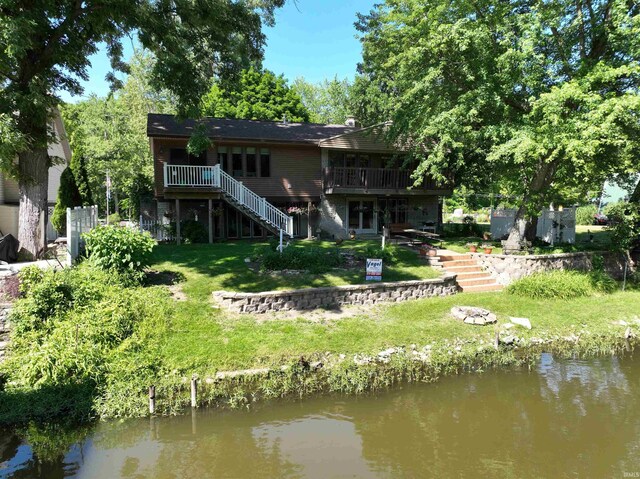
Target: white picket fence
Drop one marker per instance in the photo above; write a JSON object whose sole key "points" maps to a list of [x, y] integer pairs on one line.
{"points": [[554, 226], [157, 230], [80, 220]]}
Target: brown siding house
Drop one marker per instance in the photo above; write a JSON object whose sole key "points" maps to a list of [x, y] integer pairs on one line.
{"points": [[260, 177]]}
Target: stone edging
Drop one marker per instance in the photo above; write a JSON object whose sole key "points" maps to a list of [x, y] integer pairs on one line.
{"points": [[312, 298]]}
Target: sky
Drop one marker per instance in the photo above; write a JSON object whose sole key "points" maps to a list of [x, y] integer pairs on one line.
{"points": [[314, 39]]}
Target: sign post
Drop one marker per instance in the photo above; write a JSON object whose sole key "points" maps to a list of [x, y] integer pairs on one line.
{"points": [[373, 270]]}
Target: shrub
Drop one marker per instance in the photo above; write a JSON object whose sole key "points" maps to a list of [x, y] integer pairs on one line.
{"points": [[389, 254], [123, 250], [191, 231], [314, 260], [585, 214], [68, 197], [562, 284], [624, 225], [115, 219]]}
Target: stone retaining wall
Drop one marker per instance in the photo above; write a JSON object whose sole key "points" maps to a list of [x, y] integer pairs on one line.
{"points": [[312, 298], [508, 268]]}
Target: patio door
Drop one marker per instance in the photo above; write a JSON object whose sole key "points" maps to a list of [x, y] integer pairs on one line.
{"points": [[360, 216]]}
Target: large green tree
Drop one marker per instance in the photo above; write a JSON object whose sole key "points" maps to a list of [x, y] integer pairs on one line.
{"points": [[541, 96], [258, 95], [327, 101], [45, 47]]}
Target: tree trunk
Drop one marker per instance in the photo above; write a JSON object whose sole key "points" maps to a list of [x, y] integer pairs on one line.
{"points": [[32, 183]]}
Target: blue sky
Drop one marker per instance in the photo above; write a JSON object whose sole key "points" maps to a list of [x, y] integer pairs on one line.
{"points": [[312, 38]]}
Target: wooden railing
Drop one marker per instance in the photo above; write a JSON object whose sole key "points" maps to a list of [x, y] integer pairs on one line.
{"points": [[371, 178], [213, 177]]}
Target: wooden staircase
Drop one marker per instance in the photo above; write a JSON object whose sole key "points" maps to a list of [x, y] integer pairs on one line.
{"points": [[469, 275]]}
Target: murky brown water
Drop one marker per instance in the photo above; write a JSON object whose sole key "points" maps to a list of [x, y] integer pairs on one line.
{"points": [[564, 419]]}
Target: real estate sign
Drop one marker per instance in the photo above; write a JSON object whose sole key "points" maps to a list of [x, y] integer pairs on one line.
{"points": [[374, 270]]}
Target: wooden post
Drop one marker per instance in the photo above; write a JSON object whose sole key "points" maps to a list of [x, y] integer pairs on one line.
{"points": [[309, 232], [177, 221], [496, 343], [194, 393], [210, 220], [152, 399]]}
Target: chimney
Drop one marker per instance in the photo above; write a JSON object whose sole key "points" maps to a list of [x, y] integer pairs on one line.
{"points": [[351, 121]]}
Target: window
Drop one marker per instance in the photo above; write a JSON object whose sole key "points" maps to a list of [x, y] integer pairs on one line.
{"points": [[236, 161], [179, 156], [395, 210], [222, 157], [252, 164], [265, 163]]}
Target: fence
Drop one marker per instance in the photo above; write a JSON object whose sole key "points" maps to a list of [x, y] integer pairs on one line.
{"points": [[553, 226], [80, 220], [158, 230]]}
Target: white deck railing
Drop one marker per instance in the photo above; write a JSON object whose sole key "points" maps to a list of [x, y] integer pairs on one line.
{"points": [[213, 177]]}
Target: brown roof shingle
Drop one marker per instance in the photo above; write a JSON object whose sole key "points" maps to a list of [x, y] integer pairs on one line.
{"points": [[225, 128]]}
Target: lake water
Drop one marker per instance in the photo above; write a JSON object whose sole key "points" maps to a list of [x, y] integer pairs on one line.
{"points": [[565, 418]]}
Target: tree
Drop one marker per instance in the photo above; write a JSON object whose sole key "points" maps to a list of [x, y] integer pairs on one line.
{"points": [[327, 101], [68, 197], [45, 47], [543, 95], [259, 95]]}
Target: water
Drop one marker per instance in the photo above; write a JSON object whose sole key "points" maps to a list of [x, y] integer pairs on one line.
{"points": [[568, 418]]}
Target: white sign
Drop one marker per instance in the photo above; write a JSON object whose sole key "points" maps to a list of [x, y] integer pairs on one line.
{"points": [[374, 270]]}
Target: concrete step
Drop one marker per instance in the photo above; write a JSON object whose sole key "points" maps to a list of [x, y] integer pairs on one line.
{"points": [[475, 281], [472, 275], [481, 288], [455, 257], [462, 269], [460, 262]]}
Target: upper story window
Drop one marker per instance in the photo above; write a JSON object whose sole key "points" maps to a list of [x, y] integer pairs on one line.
{"points": [[180, 156], [265, 162], [250, 162]]}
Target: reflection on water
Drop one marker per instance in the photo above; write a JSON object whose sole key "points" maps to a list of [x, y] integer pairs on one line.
{"points": [[565, 419]]}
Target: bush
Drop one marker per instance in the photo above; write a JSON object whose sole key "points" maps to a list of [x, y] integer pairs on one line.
{"points": [[191, 231], [314, 260], [71, 328], [585, 214], [389, 254], [624, 225], [115, 219], [68, 197], [123, 250], [562, 284]]}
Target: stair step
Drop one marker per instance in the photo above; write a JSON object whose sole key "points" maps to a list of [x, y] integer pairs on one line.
{"points": [[459, 262], [455, 257], [472, 275], [481, 288], [476, 281], [462, 269]]}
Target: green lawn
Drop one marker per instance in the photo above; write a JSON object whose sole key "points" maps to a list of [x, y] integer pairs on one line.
{"points": [[204, 339], [221, 266]]}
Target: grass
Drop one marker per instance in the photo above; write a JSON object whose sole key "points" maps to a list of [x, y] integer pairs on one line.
{"points": [[204, 340], [588, 238], [222, 266]]}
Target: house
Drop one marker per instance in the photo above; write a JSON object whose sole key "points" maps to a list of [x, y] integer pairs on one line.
{"points": [[259, 176], [10, 195]]}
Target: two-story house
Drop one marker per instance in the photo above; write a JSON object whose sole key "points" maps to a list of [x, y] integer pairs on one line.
{"points": [[260, 176]]}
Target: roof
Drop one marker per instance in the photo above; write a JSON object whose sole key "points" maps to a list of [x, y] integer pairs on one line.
{"points": [[225, 128]]}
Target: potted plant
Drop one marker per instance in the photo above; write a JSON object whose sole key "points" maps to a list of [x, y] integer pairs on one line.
{"points": [[352, 234], [486, 235], [488, 248], [473, 247]]}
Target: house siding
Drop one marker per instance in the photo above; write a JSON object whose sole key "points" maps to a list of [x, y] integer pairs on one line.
{"points": [[295, 169]]}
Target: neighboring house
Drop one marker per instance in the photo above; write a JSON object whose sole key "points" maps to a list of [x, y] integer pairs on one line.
{"points": [[260, 175], [10, 195]]}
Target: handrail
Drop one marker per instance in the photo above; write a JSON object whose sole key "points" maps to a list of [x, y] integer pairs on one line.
{"points": [[215, 177], [371, 178]]}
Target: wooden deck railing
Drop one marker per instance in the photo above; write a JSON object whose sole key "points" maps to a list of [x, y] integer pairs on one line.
{"points": [[372, 178]]}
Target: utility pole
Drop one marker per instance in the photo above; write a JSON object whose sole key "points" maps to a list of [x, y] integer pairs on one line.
{"points": [[108, 194]]}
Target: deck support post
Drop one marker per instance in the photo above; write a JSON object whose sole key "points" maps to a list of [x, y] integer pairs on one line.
{"points": [[177, 221], [210, 220], [309, 229]]}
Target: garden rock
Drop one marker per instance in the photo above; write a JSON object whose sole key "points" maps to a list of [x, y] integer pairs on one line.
{"points": [[524, 322], [471, 315]]}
